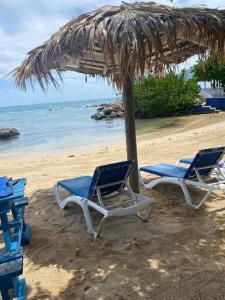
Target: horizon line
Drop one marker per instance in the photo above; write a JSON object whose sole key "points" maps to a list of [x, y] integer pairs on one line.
{"points": [[51, 102]]}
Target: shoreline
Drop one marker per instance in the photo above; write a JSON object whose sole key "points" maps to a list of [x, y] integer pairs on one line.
{"points": [[146, 130]]}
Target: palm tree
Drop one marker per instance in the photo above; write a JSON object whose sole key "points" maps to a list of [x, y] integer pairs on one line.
{"points": [[120, 42]]}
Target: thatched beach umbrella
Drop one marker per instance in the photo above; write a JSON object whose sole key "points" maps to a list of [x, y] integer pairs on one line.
{"points": [[120, 42]]}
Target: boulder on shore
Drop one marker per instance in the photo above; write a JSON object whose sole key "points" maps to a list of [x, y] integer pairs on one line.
{"points": [[7, 133]]}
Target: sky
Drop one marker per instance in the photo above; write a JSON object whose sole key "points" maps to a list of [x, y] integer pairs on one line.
{"points": [[25, 24]]}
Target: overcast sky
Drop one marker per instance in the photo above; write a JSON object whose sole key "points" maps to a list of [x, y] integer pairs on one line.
{"points": [[24, 24]]}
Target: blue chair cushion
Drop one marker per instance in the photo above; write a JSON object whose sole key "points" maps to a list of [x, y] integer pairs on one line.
{"points": [[187, 160], [167, 170], [78, 186]]}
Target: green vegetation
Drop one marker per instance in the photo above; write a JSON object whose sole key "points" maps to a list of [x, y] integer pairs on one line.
{"points": [[166, 96], [211, 69]]}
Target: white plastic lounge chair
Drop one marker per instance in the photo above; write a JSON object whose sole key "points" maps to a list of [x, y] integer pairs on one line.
{"points": [[198, 174], [94, 192]]}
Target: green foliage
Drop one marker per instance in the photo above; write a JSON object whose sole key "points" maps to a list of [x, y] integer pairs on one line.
{"points": [[171, 95], [211, 69]]}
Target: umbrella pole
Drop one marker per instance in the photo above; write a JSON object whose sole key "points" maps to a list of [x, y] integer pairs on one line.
{"points": [[130, 128]]}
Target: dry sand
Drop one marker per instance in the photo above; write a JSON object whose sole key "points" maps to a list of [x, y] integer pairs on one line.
{"points": [[178, 254]]}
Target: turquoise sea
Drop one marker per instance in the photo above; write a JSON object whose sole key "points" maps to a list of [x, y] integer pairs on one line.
{"points": [[58, 126]]}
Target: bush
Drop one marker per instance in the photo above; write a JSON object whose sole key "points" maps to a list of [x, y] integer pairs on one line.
{"points": [[171, 95]]}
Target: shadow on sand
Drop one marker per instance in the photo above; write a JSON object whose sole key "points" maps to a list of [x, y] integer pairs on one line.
{"points": [[178, 254]]}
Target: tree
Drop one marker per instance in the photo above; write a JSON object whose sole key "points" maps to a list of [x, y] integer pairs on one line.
{"points": [[212, 69]]}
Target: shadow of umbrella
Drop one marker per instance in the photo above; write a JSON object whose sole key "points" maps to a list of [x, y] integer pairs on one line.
{"points": [[176, 255]]}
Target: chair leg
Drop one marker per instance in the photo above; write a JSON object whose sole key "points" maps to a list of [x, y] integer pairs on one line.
{"points": [[100, 226], [87, 216], [184, 188], [186, 193], [88, 220], [202, 201], [141, 179], [57, 196], [20, 289], [26, 234], [188, 196]]}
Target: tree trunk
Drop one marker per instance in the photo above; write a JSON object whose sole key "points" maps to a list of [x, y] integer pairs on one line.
{"points": [[130, 128]]}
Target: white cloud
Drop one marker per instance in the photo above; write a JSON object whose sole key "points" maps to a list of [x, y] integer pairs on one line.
{"points": [[30, 23], [34, 30]]}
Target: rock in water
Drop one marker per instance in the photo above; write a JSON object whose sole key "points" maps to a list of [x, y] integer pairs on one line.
{"points": [[113, 114], [98, 116], [120, 114], [7, 133], [107, 110]]}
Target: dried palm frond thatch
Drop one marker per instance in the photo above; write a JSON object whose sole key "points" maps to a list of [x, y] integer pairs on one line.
{"points": [[116, 41]]}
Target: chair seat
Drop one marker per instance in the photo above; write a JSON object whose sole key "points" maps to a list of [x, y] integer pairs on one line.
{"points": [[78, 186], [165, 170]]}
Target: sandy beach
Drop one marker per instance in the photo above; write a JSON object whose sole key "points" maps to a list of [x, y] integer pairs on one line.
{"points": [[178, 254]]}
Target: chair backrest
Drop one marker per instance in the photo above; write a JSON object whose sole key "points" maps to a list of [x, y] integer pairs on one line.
{"points": [[205, 161], [111, 176]]}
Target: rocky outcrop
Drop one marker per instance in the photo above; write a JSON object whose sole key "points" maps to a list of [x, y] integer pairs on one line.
{"points": [[7, 133], [109, 111]]}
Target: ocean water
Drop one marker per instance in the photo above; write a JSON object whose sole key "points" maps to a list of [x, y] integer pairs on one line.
{"points": [[57, 127]]}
